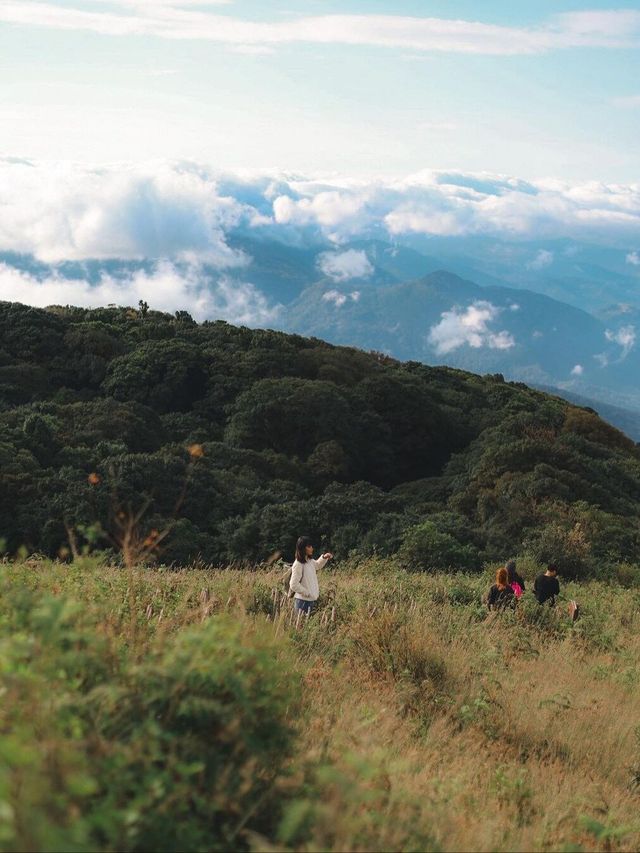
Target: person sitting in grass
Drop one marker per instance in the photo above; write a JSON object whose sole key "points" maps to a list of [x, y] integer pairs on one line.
{"points": [[500, 595], [546, 586], [304, 580], [516, 581]]}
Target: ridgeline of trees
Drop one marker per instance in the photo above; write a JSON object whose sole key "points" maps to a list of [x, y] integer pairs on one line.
{"points": [[236, 440]]}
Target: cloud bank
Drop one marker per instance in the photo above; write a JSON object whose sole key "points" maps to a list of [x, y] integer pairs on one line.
{"points": [[471, 327], [187, 211], [166, 288], [61, 212], [184, 222], [613, 29]]}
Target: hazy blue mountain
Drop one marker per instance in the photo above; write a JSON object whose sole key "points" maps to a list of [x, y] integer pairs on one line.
{"points": [[586, 275], [557, 313], [444, 319], [283, 271], [396, 262], [90, 270], [280, 271]]}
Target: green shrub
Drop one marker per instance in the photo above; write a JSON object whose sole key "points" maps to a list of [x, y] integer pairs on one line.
{"points": [[563, 543], [424, 546], [181, 750], [626, 574]]}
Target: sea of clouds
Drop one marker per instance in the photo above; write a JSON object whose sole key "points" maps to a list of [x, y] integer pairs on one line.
{"points": [[178, 218]]}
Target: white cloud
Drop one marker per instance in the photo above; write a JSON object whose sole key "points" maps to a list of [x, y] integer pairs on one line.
{"points": [[342, 266], [61, 212], [633, 258], [327, 208], [501, 340], [186, 210], [435, 224], [335, 296], [542, 259], [609, 29], [457, 204], [577, 370], [625, 337], [339, 299], [470, 326], [167, 288]]}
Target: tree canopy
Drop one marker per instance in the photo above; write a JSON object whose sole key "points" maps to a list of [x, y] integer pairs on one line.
{"points": [[239, 440]]}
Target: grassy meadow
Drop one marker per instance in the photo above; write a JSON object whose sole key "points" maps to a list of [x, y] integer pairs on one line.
{"points": [[157, 709]]}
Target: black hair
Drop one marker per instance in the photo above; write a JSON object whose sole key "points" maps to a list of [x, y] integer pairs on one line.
{"points": [[511, 571], [301, 548], [552, 568]]}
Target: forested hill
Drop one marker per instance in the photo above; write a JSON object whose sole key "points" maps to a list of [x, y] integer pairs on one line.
{"points": [[235, 441]]}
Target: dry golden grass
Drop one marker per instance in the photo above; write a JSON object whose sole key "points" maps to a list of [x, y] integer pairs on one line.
{"points": [[427, 724]]}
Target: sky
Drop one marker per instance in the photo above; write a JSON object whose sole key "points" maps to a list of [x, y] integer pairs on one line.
{"points": [[150, 131], [358, 87]]}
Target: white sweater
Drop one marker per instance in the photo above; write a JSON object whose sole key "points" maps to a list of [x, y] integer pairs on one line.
{"points": [[304, 580]]}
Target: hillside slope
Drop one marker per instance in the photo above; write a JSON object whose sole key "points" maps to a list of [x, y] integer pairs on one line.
{"points": [[442, 318], [232, 442], [626, 420], [401, 716]]}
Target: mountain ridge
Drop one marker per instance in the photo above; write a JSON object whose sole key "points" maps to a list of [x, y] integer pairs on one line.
{"points": [[257, 435]]}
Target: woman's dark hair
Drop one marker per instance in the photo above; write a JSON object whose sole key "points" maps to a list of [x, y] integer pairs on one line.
{"points": [[301, 548], [511, 571]]}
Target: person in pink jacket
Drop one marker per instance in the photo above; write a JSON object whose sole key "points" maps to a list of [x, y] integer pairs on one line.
{"points": [[304, 580]]}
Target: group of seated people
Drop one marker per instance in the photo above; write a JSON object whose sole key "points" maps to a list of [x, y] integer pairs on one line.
{"points": [[509, 587]]}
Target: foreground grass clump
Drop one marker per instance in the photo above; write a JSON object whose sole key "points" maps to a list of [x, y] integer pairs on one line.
{"points": [[168, 742], [188, 710]]}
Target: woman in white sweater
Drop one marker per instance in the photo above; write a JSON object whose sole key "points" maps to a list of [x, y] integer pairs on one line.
{"points": [[304, 580]]}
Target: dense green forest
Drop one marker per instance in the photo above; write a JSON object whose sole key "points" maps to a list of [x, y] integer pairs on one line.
{"points": [[222, 444]]}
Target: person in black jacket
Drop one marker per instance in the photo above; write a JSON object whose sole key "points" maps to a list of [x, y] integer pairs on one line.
{"points": [[500, 595], [547, 586]]}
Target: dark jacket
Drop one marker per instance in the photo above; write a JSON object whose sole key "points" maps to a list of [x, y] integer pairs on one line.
{"points": [[545, 588], [500, 598]]}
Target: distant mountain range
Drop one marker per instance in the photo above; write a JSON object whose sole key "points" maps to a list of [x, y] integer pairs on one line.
{"points": [[558, 314], [585, 275], [443, 319]]}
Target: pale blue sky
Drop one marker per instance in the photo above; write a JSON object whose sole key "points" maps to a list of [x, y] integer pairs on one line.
{"points": [[540, 91]]}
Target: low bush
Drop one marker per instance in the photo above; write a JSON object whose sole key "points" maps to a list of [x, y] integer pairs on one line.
{"points": [[425, 547], [179, 749]]}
